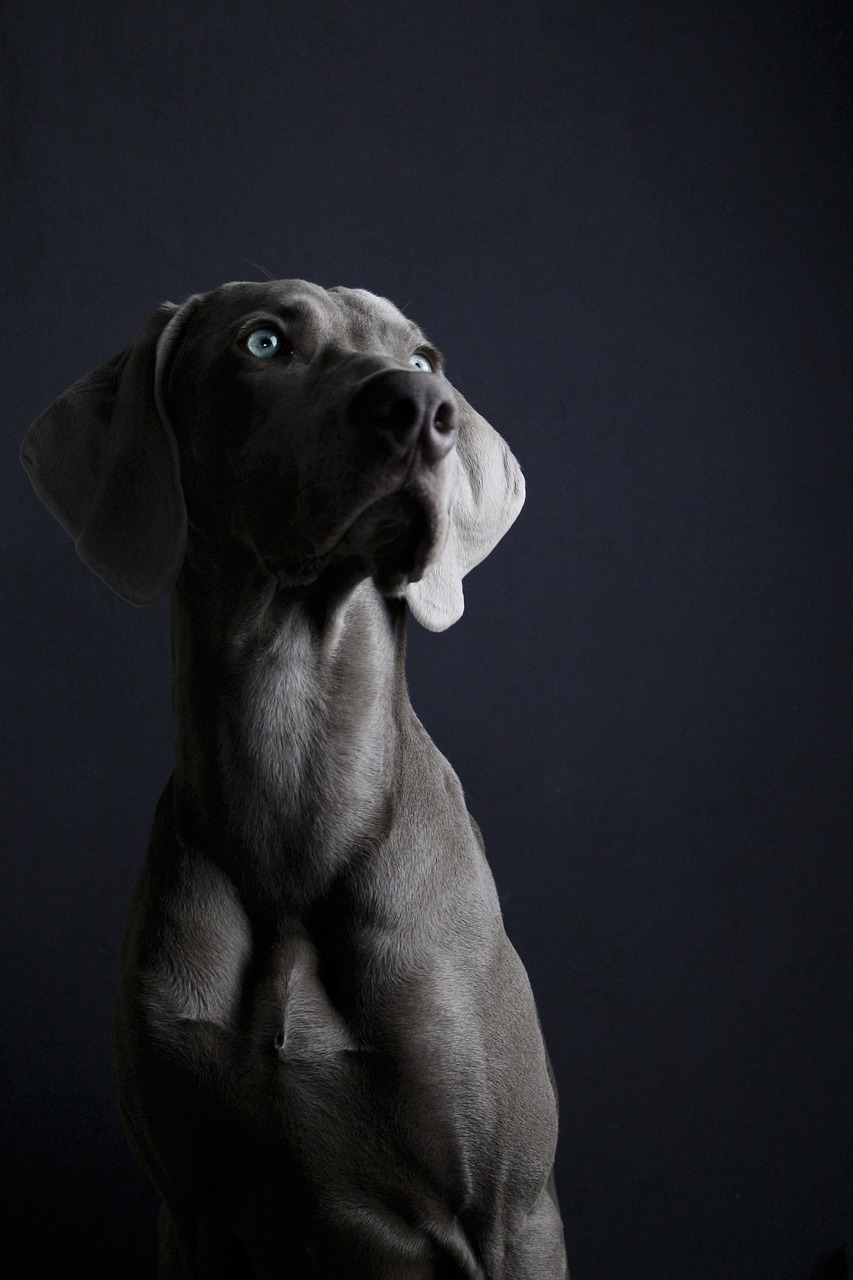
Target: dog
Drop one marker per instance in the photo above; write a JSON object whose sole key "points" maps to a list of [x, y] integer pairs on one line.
{"points": [[327, 1053]]}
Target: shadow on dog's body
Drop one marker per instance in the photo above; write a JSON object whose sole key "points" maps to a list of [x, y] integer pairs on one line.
{"points": [[328, 1055]]}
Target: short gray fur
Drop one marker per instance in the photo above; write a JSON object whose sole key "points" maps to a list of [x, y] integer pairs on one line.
{"points": [[328, 1056]]}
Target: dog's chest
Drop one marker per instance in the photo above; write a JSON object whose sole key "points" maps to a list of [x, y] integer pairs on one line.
{"points": [[293, 1015]]}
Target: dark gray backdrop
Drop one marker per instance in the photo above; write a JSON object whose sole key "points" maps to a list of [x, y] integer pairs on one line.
{"points": [[628, 227]]}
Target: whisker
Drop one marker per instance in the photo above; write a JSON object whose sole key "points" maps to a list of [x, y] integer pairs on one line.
{"points": [[258, 267]]}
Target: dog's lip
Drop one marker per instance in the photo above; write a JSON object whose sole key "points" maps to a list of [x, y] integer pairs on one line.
{"points": [[412, 530], [424, 510]]}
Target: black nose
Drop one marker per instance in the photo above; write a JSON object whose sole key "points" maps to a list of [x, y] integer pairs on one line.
{"points": [[408, 408]]}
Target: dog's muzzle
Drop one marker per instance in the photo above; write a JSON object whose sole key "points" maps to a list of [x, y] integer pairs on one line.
{"points": [[413, 414]]}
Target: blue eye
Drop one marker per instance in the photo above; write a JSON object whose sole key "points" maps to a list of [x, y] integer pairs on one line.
{"points": [[420, 361], [263, 343]]}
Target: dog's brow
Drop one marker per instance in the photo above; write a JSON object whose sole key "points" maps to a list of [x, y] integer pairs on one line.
{"points": [[412, 332], [296, 309], [394, 329]]}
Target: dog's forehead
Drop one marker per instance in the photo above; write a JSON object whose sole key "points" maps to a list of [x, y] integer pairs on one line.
{"points": [[368, 313], [338, 314]]}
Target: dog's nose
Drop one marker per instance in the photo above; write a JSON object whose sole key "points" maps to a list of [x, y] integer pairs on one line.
{"points": [[408, 408]]}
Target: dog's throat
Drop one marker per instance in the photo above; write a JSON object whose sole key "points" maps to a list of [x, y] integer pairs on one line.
{"points": [[268, 741]]}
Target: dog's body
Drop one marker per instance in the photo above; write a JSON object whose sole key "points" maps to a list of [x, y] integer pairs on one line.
{"points": [[328, 1056]]}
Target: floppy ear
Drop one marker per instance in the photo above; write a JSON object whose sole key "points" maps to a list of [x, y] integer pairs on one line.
{"points": [[103, 459], [487, 496]]}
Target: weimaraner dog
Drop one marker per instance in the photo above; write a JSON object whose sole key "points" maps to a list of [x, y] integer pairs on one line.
{"points": [[328, 1056]]}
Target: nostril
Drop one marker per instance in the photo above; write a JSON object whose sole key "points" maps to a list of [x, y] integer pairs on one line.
{"points": [[404, 409], [440, 435], [400, 417], [444, 421]]}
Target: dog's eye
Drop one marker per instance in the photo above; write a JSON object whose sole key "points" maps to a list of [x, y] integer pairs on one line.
{"points": [[420, 361], [263, 343]]}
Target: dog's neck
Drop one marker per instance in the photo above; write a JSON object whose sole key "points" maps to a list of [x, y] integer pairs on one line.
{"points": [[283, 699]]}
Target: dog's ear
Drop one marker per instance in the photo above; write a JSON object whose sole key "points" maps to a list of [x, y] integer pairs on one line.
{"points": [[104, 461], [487, 496]]}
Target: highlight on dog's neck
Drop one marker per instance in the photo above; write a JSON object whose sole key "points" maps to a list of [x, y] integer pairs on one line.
{"points": [[282, 698]]}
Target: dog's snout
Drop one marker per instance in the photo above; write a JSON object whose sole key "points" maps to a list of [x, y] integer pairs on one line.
{"points": [[408, 409]]}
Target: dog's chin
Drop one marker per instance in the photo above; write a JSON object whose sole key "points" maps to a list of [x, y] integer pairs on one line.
{"points": [[392, 541], [395, 539]]}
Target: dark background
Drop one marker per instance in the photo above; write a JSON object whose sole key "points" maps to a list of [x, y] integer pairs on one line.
{"points": [[628, 227]]}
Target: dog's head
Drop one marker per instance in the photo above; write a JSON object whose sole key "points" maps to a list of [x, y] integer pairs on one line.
{"points": [[311, 426]]}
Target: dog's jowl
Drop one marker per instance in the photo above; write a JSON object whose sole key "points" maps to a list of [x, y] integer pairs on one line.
{"points": [[328, 1056]]}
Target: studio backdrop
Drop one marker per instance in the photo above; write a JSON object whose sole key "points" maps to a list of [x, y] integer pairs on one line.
{"points": [[628, 229]]}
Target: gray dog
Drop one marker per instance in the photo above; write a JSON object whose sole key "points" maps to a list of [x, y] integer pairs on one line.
{"points": [[328, 1056]]}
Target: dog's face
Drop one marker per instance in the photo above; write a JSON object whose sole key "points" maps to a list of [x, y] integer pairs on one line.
{"points": [[314, 426]]}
